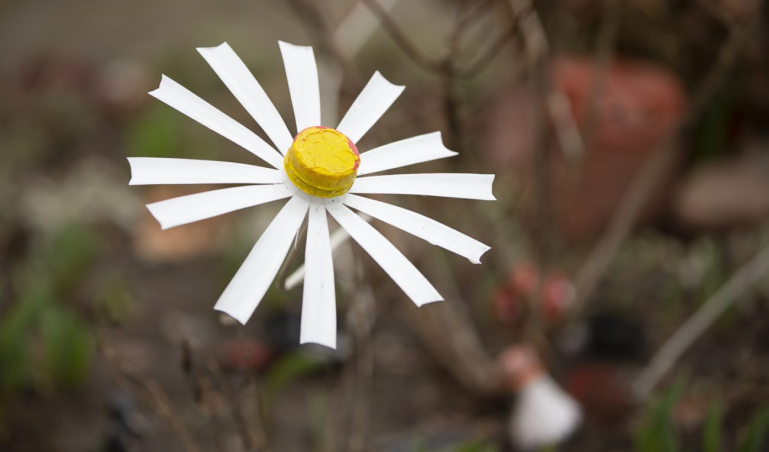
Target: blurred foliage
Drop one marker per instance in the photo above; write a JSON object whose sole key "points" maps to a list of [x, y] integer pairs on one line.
{"points": [[68, 346], [469, 446], [70, 254], [155, 133], [755, 440], [14, 328], [287, 369], [116, 302], [160, 131], [45, 343], [711, 434], [658, 434], [475, 446]]}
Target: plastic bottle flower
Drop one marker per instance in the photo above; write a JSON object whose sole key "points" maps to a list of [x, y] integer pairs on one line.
{"points": [[318, 172], [543, 415]]}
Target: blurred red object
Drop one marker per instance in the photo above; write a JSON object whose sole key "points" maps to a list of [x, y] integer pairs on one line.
{"points": [[604, 396], [524, 278], [521, 365], [510, 298], [506, 305], [638, 106], [243, 355], [558, 294]]}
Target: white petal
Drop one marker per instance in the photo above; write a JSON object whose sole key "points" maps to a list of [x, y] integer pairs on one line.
{"points": [[420, 226], [302, 75], [319, 301], [370, 105], [191, 208], [467, 186], [163, 171], [403, 153], [249, 92], [254, 277], [392, 261], [201, 111]]}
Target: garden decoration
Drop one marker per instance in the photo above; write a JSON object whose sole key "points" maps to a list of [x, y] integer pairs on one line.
{"points": [[319, 171]]}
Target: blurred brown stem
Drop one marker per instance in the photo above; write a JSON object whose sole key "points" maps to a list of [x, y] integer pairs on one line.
{"points": [[537, 52], [448, 332]]}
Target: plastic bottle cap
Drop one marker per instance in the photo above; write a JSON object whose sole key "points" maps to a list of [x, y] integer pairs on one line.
{"points": [[322, 162]]}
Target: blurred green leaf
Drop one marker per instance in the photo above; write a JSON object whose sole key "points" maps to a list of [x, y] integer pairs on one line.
{"points": [[72, 251], [756, 436], [657, 433], [155, 134], [711, 441], [4, 433], [14, 335], [419, 445], [289, 368], [68, 347], [116, 302], [475, 446]]}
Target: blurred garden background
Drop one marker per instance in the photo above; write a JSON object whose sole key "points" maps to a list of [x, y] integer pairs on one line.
{"points": [[630, 238]]}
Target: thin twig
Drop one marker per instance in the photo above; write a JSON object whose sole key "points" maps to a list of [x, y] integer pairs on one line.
{"points": [[361, 321], [310, 13], [465, 20], [202, 388], [672, 350], [251, 438], [401, 39], [537, 52], [155, 398], [607, 37], [260, 429], [448, 332], [532, 31], [442, 66], [566, 129], [487, 57], [643, 184], [451, 106]]}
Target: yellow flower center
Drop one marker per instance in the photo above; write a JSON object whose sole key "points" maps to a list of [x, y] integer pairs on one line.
{"points": [[322, 162]]}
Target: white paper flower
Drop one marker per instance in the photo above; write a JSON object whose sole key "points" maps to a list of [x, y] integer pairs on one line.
{"points": [[306, 176]]}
